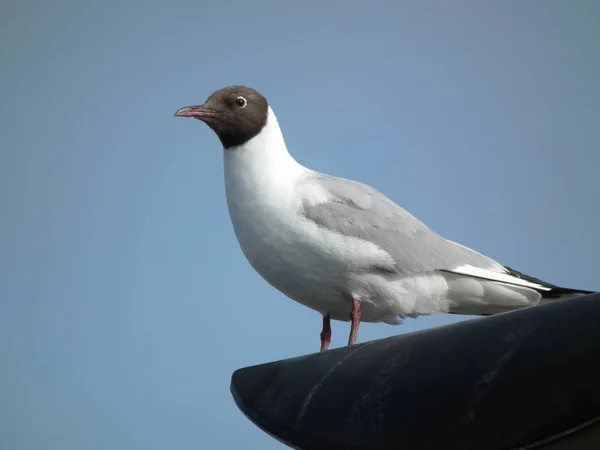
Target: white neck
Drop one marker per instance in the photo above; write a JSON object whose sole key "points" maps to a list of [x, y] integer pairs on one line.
{"points": [[263, 164], [259, 183]]}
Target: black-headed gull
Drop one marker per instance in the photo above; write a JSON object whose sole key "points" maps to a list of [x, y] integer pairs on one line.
{"points": [[339, 246]]}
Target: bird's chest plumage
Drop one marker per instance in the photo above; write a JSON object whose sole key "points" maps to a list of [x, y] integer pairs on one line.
{"points": [[284, 247], [273, 236]]}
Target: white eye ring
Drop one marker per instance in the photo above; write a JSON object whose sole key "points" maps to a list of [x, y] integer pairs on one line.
{"points": [[241, 102]]}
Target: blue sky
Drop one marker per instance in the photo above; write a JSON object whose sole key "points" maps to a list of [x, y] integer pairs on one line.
{"points": [[125, 302]]}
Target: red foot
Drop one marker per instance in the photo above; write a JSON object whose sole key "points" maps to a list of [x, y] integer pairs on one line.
{"points": [[355, 321], [326, 333]]}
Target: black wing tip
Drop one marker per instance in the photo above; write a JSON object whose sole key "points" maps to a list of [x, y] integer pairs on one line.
{"points": [[554, 292], [559, 292], [521, 275]]}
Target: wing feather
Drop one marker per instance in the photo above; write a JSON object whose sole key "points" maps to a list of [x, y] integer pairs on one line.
{"points": [[357, 210]]}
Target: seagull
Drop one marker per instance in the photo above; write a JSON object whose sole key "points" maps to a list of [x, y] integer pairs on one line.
{"points": [[339, 246]]}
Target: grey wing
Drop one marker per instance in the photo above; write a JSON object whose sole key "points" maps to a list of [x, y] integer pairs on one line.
{"points": [[355, 209]]}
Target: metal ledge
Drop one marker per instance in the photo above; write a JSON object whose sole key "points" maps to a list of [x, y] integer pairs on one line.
{"points": [[528, 379]]}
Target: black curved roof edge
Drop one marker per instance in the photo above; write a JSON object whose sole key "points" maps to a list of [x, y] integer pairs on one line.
{"points": [[527, 379]]}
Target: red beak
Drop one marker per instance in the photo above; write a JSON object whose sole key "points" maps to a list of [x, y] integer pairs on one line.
{"points": [[198, 112]]}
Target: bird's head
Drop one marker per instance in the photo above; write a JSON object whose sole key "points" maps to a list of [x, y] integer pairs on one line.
{"points": [[235, 113]]}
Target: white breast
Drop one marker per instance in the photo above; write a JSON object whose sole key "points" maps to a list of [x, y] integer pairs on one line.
{"points": [[290, 252], [259, 184]]}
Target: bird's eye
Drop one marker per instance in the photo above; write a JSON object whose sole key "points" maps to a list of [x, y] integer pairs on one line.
{"points": [[241, 102]]}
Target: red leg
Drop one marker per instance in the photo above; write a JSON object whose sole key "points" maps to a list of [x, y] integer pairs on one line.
{"points": [[326, 333], [355, 321]]}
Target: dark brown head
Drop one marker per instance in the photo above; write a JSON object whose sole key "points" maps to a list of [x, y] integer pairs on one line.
{"points": [[235, 113]]}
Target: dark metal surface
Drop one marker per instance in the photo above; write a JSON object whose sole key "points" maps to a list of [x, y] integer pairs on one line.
{"points": [[525, 378]]}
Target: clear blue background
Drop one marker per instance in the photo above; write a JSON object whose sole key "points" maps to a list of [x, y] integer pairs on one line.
{"points": [[125, 303]]}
